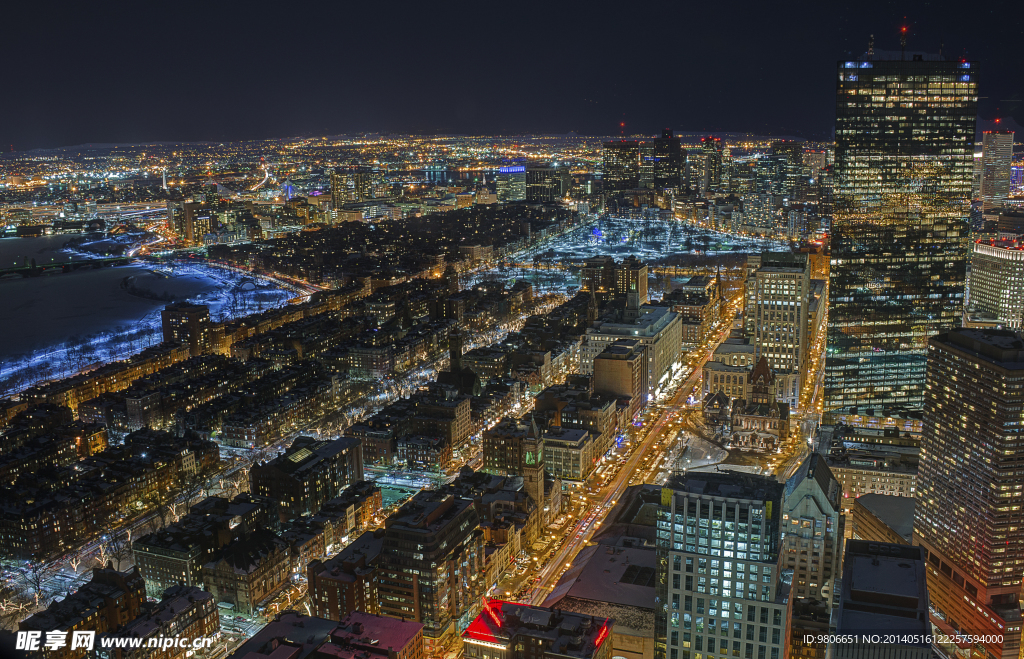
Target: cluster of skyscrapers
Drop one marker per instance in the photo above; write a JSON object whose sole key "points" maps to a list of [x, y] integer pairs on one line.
{"points": [[908, 349]]}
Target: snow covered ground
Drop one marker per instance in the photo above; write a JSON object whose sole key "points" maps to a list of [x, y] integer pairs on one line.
{"points": [[19, 251], [58, 324]]}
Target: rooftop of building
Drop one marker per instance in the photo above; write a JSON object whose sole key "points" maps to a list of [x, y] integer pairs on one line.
{"points": [[428, 511], [1009, 244], [735, 345], [699, 281], [1001, 348], [651, 321], [895, 512], [175, 601], [367, 629], [618, 351], [612, 574], [565, 435], [104, 587], [727, 484], [290, 635], [884, 589], [816, 468], [247, 553], [877, 55], [306, 453], [562, 633]]}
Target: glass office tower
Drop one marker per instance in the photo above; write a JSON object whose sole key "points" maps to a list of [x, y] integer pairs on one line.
{"points": [[620, 162], [904, 162], [967, 514]]}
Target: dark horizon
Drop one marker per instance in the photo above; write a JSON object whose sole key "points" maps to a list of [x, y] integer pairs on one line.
{"points": [[216, 74]]}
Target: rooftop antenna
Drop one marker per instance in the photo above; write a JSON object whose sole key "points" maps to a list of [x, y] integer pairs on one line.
{"points": [[903, 41], [871, 47], [942, 44]]}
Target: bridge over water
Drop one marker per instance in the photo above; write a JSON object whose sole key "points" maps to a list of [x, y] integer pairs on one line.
{"points": [[53, 267]]}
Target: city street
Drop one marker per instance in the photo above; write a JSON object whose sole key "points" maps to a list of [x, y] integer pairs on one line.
{"points": [[658, 434]]}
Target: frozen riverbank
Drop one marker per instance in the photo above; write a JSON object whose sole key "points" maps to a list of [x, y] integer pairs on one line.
{"points": [[69, 321]]}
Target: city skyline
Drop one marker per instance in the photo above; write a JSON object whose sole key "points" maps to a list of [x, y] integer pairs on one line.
{"points": [[638, 393]]}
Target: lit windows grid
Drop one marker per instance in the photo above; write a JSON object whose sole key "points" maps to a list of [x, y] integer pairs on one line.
{"points": [[701, 619], [970, 483], [904, 161], [997, 283]]}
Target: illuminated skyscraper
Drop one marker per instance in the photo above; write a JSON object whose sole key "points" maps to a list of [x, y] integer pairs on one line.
{"points": [[709, 163], [511, 184], [431, 564], [631, 280], [780, 292], [606, 279], [353, 183], [996, 156], [719, 582], [546, 182], [197, 221], [666, 160], [968, 516], [997, 283], [904, 158], [620, 162], [1017, 178], [658, 163]]}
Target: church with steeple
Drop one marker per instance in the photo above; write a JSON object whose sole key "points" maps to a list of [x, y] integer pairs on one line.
{"points": [[515, 447], [760, 423]]}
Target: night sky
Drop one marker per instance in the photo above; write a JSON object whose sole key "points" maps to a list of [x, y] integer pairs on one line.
{"points": [[110, 72]]}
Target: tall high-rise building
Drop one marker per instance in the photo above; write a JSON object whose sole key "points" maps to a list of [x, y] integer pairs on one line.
{"points": [[431, 567], [620, 162], [546, 182], [598, 277], [904, 156], [353, 183], [720, 588], [631, 281], [606, 279], [996, 158], [197, 221], [662, 162], [188, 324], [339, 189], [812, 538], [670, 161], [812, 529], [620, 371], [967, 516], [996, 291], [780, 299], [511, 184], [657, 163], [709, 162], [660, 333]]}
